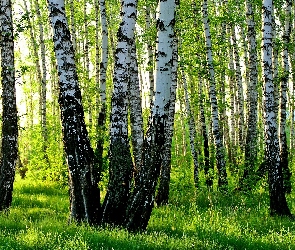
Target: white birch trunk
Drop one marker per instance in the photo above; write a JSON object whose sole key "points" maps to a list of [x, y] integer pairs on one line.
{"points": [[150, 50], [251, 131], [240, 90], [192, 131], [43, 82], [220, 158], [136, 118], [283, 100], [87, 66], [120, 158], [9, 145], [278, 203], [142, 200], [101, 65], [162, 196], [83, 183]]}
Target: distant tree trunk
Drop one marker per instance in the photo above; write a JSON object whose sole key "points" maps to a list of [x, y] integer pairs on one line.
{"points": [[120, 168], [83, 184], [240, 91], [233, 89], [142, 199], [88, 92], [283, 102], [36, 57], [9, 150], [208, 167], [251, 131], [220, 157], [192, 132], [43, 83], [278, 203]]}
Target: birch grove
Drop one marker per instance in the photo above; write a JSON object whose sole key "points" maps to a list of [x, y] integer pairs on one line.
{"points": [[102, 104]]}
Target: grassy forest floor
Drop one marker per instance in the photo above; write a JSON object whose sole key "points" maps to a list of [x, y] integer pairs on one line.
{"points": [[192, 220]]}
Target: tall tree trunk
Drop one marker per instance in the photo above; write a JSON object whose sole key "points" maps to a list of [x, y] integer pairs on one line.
{"points": [[136, 119], [43, 83], [233, 109], [9, 150], [240, 91], [220, 158], [142, 199], [120, 168], [150, 64], [208, 166], [283, 102], [101, 79], [162, 196], [87, 67], [83, 184], [192, 132], [278, 203], [36, 57], [251, 131]]}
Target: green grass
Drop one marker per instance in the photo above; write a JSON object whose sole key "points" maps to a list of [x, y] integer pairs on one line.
{"points": [[193, 220]]}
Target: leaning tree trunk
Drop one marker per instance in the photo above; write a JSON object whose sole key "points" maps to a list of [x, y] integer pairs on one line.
{"points": [[120, 169], [9, 150], [278, 203], [84, 192], [251, 131], [220, 157], [283, 102], [142, 199]]}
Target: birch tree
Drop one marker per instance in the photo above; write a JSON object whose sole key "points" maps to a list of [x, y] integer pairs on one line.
{"points": [[278, 203], [9, 150], [142, 199], [101, 78], [218, 140], [164, 183], [120, 168], [84, 192], [192, 131], [43, 81], [251, 130], [283, 100]]}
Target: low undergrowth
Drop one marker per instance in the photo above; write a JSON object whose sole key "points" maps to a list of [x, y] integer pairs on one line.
{"points": [[193, 220]]}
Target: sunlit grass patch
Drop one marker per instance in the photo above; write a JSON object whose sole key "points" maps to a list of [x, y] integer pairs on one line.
{"points": [[194, 219]]}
